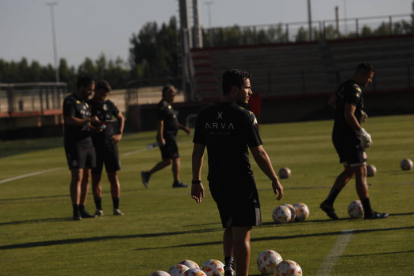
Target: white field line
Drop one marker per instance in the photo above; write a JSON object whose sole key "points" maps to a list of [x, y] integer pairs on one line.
{"points": [[339, 247], [59, 168], [29, 175]]}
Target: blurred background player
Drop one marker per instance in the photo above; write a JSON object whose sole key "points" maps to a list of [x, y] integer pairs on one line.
{"points": [[105, 140], [350, 140], [167, 128], [228, 130], [79, 150]]}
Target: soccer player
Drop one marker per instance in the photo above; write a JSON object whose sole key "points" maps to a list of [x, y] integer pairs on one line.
{"points": [[228, 130], [79, 150], [105, 140], [167, 127], [350, 140]]}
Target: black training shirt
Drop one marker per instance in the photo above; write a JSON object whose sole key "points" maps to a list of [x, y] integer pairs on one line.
{"points": [[74, 106], [166, 113], [348, 92], [105, 112], [227, 130]]}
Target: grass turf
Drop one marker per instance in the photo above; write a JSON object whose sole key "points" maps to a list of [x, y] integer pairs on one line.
{"points": [[163, 226]]}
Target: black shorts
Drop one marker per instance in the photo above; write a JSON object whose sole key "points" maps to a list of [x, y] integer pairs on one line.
{"points": [[107, 154], [350, 150], [170, 149], [237, 202], [80, 156]]}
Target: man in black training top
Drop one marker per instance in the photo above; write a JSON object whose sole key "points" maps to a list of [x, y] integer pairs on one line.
{"points": [[228, 130], [167, 127], [350, 140], [105, 139], [79, 150]]}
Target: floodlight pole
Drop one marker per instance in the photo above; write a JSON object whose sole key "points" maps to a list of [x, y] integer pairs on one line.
{"points": [[310, 20], [51, 5], [345, 18], [209, 3]]}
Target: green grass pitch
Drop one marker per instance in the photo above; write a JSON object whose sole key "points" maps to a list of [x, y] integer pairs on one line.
{"points": [[163, 226]]}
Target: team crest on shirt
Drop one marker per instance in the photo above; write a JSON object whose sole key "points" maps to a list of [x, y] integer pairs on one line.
{"points": [[169, 107], [357, 95], [78, 102]]}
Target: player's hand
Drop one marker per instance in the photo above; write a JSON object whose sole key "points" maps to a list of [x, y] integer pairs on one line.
{"points": [[187, 130], [277, 189], [161, 142], [365, 138], [197, 192], [95, 121], [364, 116], [116, 138]]}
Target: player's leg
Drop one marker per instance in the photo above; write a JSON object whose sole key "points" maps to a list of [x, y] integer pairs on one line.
{"points": [[176, 169], [97, 192], [166, 161], [241, 249], [228, 252], [75, 191], [115, 191], [84, 193], [360, 172]]}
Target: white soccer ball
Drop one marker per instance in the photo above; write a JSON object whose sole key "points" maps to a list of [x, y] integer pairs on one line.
{"points": [[285, 172], [213, 267], [178, 270], [292, 211], [267, 261], [355, 209], [288, 268], [371, 170], [195, 272], [281, 214], [191, 264], [302, 211], [406, 164], [160, 273]]}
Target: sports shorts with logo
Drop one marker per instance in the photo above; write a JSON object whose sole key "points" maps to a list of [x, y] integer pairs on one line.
{"points": [[170, 149], [108, 154], [349, 149], [80, 155], [237, 200]]}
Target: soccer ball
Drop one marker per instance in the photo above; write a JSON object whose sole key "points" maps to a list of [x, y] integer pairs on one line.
{"points": [[178, 270], [302, 211], [284, 172], [288, 268], [160, 273], [267, 261], [213, 267], [292, 211], [355, 209], [281, 214], [371, 170], [406, 164], [191, 264], [195, 272]]}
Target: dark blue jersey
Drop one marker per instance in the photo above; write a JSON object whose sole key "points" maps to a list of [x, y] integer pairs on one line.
{"points": [[166, 113], [74, 106], [105, 111], [227, 130]]}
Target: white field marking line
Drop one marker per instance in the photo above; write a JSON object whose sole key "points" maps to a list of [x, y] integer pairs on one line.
{"points": [[29, 175], [59, 168], [339, 247]]}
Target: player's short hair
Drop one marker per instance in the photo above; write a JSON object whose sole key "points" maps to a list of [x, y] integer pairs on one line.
{"points": [[84, 81], [364, 68], [103, 85], [166, 89], [233, 77]]}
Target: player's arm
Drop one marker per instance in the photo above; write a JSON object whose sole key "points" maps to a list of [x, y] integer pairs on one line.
{"points": [[160, 132], [186, 129], [121, 124], [332, 100], [262, 159], [352, 121], [197, 188]]}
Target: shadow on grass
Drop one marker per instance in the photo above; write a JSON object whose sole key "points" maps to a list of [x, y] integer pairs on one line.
{"points": [[33, 221], [164, 234]]}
